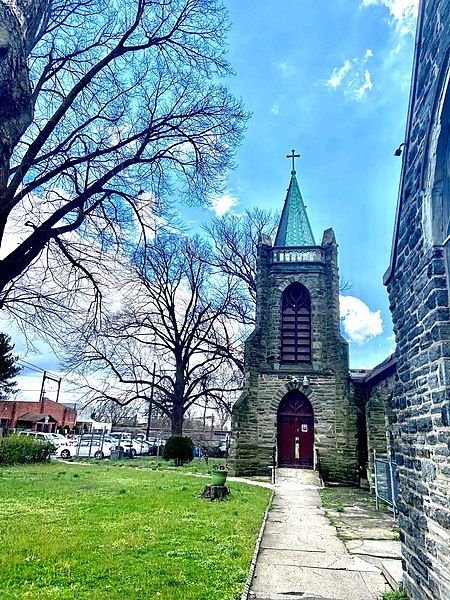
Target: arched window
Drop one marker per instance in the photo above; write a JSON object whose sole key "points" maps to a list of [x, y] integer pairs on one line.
{"points": [[440, 181], [446, 183], [296, 325]]}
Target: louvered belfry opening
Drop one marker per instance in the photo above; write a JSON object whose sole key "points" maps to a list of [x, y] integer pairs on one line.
{"points": [[296, 325]]}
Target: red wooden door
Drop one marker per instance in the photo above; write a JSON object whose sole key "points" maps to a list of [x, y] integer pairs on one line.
{"points": [[295, 432]]}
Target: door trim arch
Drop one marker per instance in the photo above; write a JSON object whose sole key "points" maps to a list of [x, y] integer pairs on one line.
{"points": [[295, 431]]}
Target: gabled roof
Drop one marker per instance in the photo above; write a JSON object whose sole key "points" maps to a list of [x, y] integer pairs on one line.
{"points": [[371, 377], [36, 417], [294, 228]]}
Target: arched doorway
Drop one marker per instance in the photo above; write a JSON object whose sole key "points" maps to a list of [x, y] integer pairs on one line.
{"points": [[295, 431]]}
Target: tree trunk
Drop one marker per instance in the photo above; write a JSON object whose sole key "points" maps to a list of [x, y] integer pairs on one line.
{"points": [[177, 418], [19, 22]]}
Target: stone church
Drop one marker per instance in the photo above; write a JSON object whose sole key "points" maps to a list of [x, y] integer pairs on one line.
{"points": [[296, 400]]}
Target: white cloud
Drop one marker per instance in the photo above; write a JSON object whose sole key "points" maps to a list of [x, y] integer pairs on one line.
{"points": [[367, 85], [360, 324], [403, 13], [287, 69], [275, 109], [354, 79], [338, 75], [353, 76], [222, 204]]}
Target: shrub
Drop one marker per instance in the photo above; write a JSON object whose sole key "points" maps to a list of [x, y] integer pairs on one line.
{"points": [[19, 449], [179, 448], [395, 595]]}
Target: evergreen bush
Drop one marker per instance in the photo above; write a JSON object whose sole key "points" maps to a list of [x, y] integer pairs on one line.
{"points": [[20, 449], [179, 448]]}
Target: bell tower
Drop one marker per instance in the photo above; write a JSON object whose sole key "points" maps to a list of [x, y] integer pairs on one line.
{"points": [[296, 394]]}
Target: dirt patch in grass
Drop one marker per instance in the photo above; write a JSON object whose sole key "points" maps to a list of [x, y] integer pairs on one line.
{"points": [[353, 512]]}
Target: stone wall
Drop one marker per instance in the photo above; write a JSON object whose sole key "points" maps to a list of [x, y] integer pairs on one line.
{"points": [[377, 407], [418, 290], [267, 380], [372, 391]]}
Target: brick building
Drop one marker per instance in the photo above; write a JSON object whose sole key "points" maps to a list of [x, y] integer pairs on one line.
{"points": [[418, 281], [296, 396], [45, 415]]}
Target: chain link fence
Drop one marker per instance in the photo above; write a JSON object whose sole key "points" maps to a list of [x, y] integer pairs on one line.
{"points": [[386, 484]]}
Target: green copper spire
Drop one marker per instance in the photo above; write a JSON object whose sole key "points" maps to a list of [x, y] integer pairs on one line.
{"points": [[294, 228]]}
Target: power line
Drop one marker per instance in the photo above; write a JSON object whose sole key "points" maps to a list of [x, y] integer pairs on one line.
{"points": [[26, 362], [32, 367], [26, 368]]}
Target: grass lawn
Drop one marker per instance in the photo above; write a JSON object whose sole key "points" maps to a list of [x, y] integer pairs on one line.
{"points": [[102, 532], [198, 465]]}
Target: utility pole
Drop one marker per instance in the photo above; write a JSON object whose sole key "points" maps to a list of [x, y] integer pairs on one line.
{"points": [[44, 377], [150, 403]]}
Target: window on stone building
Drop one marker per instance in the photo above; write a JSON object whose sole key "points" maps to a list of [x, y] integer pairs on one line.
{"points": [[446, 196], [441, 183], [296, 325]]}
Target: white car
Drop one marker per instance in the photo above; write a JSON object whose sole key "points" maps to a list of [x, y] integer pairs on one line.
{"points": [[127, 444], [93, 449], [61, 440], [40, 435]]}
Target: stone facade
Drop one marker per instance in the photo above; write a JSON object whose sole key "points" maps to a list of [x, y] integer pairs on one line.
{"points": [[373, 391], [418, 282], [268, 379]]}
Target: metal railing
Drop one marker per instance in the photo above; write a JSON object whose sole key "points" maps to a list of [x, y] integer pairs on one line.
{"points": [[386, 485]]}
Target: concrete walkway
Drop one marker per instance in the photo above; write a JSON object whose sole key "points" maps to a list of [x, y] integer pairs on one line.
{"points": [[300, 554]]}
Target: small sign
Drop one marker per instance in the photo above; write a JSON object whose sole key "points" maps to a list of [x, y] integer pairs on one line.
{"points": [[304, 428]]}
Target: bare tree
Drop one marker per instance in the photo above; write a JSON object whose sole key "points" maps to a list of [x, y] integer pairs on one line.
{"points": [[173, 316], [100, 101], [114, 413], [235, 240]]}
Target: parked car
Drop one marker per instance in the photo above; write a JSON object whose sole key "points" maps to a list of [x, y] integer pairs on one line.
{"points": [[92, 448], [134, 445], [95, 437], [61, 440], [40, 435], [209, 451], [129, 445], [151, 448]]}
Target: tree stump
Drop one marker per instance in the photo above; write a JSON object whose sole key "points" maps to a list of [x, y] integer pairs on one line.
{"points": [[215, 492]]}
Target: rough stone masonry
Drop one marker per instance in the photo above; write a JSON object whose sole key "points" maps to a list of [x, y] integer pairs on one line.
{"points": [[268, 379], [418, 283]]}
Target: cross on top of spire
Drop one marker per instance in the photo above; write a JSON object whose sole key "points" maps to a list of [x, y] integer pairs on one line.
{"points": [[293, 156]]}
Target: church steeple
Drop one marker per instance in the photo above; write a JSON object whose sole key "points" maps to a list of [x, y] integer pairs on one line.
{"points": [[294, 228]]}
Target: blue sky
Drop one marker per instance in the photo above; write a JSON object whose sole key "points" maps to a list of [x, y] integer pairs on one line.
{"points": [[330, 79]]}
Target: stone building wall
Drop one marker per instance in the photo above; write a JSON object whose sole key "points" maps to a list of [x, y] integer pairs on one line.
{"points": [[268, 380], [418, 290], [372, 391], [377, 407]]}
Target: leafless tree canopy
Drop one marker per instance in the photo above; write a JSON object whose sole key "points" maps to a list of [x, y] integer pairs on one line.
{"points": [[174, 316], [114, 413], [235, 240], [100, 101]]}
